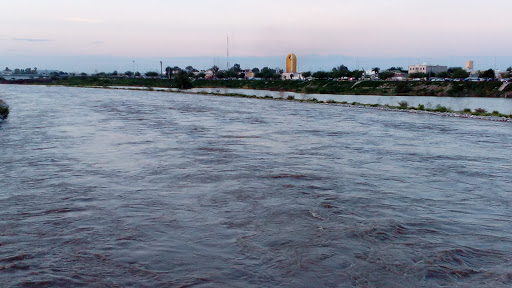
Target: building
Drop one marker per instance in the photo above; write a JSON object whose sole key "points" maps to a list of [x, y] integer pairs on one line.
{"points": [[292, 76], [399, 76], [469, 65], [291, 63], [291, 69], [248, 74], [427, 69]]}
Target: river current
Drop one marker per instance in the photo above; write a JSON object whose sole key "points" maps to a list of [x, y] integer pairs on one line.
{"points": [[114, 188]]}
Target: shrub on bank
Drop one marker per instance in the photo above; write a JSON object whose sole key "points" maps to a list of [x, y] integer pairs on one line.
{"points": [[403, 104], [479, 111], [441, 108], [4, 110]]}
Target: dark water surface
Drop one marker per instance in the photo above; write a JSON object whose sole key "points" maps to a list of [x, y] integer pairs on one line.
{"points": [[113, 188]]}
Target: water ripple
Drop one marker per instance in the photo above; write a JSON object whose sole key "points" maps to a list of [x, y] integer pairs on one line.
{"points": [[118, 188]]}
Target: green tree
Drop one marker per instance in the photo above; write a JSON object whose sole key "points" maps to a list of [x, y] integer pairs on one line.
{"points": [[168, 72], [268, 73], [340, 71], [509, 69], [306, 74], [357, 74], [386, 75], [151, 74], [458, 72], [342, 68], [236, 68], [231, 73], [255, 70], [487, 74], [376, 70], [443, 75], [417, 75], [397, 69], [321, 75], [215, 70], [221, 74], [182, 81]]}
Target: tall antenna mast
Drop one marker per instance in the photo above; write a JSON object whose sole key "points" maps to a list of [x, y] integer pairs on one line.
{"points": [[227, 53]]}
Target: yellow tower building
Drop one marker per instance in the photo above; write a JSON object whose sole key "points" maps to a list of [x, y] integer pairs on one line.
{"points": [[291, 63]]}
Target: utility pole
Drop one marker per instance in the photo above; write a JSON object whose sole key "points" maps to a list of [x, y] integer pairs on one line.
{"points": [[133, 76], [227, 53], [429, 67], [161, 69]]}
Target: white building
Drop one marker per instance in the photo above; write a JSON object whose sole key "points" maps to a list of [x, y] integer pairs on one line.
{"points": [[427, 69], [469, 65], [292, 76]]}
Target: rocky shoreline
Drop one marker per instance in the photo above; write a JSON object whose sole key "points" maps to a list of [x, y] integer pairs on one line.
{"points": [[457, 114], [445, 114]]}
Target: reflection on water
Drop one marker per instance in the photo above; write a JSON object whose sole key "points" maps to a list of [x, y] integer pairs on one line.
{"points": [[137, 188]]}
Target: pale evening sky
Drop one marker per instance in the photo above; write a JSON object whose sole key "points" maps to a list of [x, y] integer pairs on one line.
{"points": [[34, 29]]}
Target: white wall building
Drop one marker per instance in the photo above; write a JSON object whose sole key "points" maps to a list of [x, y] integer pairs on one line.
{"points": [[427, 69], [292, 76]]}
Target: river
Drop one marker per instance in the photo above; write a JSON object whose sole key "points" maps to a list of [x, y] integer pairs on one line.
{"points": [[117, 188], [502, 105]]}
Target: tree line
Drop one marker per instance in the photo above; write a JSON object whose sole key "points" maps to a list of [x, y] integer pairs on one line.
{"points": [[338, 72]]}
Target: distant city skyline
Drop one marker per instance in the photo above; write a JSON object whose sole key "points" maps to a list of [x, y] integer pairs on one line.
{"points": [[94, 64], [86, 36]]}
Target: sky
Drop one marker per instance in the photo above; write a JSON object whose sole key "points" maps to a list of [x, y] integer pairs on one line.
{"points": [[107, 35]]}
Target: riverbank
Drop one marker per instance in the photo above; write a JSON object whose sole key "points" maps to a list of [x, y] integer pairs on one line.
{"points": [[381, 88], [402, 106]]}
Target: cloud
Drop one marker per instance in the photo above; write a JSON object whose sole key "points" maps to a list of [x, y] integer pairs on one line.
{"points": [[83, 20], [31, 40]]}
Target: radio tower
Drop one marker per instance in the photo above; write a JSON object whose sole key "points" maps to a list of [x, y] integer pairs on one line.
{"points": [[227, 53]]}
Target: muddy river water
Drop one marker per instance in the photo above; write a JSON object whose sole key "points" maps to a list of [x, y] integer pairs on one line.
{"points": [[115, 188]]}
